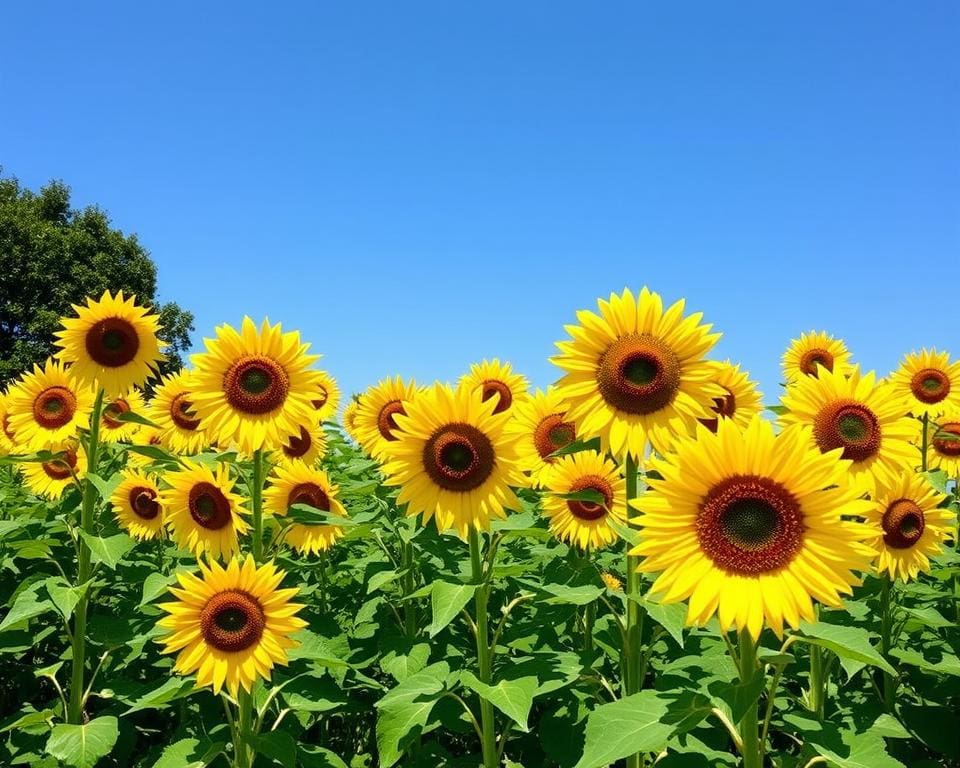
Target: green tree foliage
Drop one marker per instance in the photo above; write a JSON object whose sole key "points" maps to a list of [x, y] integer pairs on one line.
{"points": [[52, 256]]}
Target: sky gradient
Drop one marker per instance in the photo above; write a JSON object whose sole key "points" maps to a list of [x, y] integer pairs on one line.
{"points": [[416, 186]]}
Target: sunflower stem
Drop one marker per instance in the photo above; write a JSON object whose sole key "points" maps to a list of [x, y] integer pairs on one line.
{"points": [[256, 495], [748, 723], [409, 585], [489, 740], [886, 625], [242, 754], [634, 626], [815, 699], [79, 644], [923, 442]]}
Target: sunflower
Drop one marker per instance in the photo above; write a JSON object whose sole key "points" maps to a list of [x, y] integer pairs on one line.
{"points": [[112, 343], [375, 421], [112, 429], [453, 460], [143, 436], [137, 505], [350, 417], [300, 484], [253, 388], [584, 522], [541, 427], [496, 380], [611, 582], [636, 372], [929, 381], [741, 400], [327, 399], [850, 411], [943, 441], [8, 438], [811, 352], [202, 511], [48, 406], [172, 411], [231, 625], [908, 526], [306, 447], [750, 525], [51, 478]]}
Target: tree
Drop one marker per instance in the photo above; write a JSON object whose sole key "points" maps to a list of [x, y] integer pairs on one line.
{"points": [[52, 256]]}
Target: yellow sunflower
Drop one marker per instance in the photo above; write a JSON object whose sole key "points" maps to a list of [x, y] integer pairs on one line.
{"points": [[231, 625], [636, 372], [943, 443], [850, 411], [143, 436], [750, 526], [584, 522], [375, 421], [111, 343], [112, 430], [929, 381], [8, 438], [202, 511], [300, 484], [306, 447], [51, 478], [327, 399], [541, 427], [496, 380], [741, 400], [811, 352], [48, 406], [907, 526], [453, 460], [172, 411], [253, 388], [136, 504], [350, 417]]}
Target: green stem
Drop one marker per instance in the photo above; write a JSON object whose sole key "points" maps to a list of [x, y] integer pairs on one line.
{"points": [[409, 586], [87, 506], [243, 754], [923, 443], [748, 723], [886, 624], [816, 696], [589, 612], [489, 740], [634, 627], [256, 495]]}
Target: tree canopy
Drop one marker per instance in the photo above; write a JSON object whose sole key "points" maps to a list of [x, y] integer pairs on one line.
{"points": [[52, 256]]}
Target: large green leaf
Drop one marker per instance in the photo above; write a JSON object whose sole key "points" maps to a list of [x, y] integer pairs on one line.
{"points": [[190, 753], [846, 642], [81, 746], [446, 602], [108, 551], [27, 606], [170, 690], [512, 697], [632, 724], [64, 596], [406, 709]]}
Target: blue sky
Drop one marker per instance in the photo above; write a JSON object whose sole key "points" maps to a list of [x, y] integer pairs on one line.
{"points": [[416, 186]]}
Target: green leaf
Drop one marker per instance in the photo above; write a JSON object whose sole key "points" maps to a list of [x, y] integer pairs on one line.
{"points": [[312, 756], [407, 707], [310, 693], [152, 452], [847, 642], [277, 745], [446, 602], [64, 596], [28, 605], [382, 578], [129, 417], [632, 724], [190, 753], [672, 617], [931, 617], [400, 663], [156, 585], [587, 494], [104, 487], [945, 663], [172, 689], [307, 515], [739, 696], [321, 650], [108, 551], [512, 697], [593, 444], [564, 593], [81, 746], [778, 409]]}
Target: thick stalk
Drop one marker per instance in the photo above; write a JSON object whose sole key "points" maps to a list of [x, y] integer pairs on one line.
{"points": [[87, 506], [631, 647], [748, 723], [256, 495], [489, 740], [243, 757], [589, 612], [886, 624], [816, 696], [410, 609]]}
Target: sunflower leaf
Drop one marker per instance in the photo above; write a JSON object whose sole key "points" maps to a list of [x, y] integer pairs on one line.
{"points": [[129, 417], [81, 746], [108, 551], [847, 642], [310, 515], [593, 444], [633, 724], [446, 602]]}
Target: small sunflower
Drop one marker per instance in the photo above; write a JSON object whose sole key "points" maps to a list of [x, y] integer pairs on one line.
{"points": [[585, 523], [636, 372], [452, 459], [375, 421], [112, 429], [253, 388], [48, 406], [541, 427], [741, 400], [8, 438], [751, 526], [111, 343], [306, 447], [202, 511], [611, 582], [231, 625], [51, 478], [350, 417], [143, 436], [811, 352], [496, 380], [172, 411], [136, 504], [943, 443], [929, 381], [327, 400], [908, 526], [300, 484], [850, 411]]}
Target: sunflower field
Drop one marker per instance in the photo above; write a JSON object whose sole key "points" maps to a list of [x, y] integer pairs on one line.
{"points": [[647, 564]]}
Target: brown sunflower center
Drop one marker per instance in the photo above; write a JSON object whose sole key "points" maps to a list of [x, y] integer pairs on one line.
{"points": [[946, 440], [208, 506], [494, 388], [386, 422], [638, 374], [458, 457], [54, 407], [298, 445], [61, 467], [311, 494], [553, 433], [584, 509], [749, 525], [182, 414], [113, 410], [815, 358], [849, 425], [903, 524], [143, 501], [930, 385], [232, 621], [112, 342], [256, 384]]}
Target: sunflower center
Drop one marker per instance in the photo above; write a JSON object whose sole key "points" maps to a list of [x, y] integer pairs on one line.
{"points": [[946, 441], [638, 374], [310, 494], [54, 407], [62, 467], [749, 525], [386, 422], [208, 506], [256, 384], [903, 524], [298, 445], [458, 457], [849, 425], [112, 342], [815, 358], [494, 388], [553, 433], [232, 621], [143, 501], [590, 510], [181, 413], [113, 410], [930, 385]]}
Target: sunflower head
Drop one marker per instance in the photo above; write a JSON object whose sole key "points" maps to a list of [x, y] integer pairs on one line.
{"points": [[114, 429], [541, 427], [611, 582], [51, 478], [813, 352], [376, 422], [740, 400], [136, 504], [179, 427], [111, 343], [230, 625], [301, 484], [349, 421], [306, 447], [496, 381], [943, 443], [929, 382], [8, 438], [48, 406], [326, 401]]}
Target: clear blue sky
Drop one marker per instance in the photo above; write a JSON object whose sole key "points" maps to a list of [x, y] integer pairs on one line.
{"points": [[417, 185]]}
